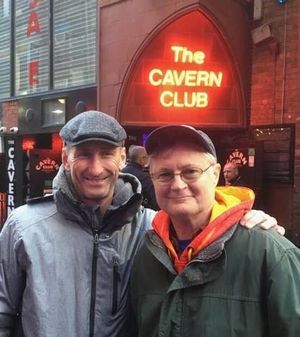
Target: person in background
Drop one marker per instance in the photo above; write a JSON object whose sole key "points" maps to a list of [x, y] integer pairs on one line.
{"points": [[232, 175], [137, 160], [198, 273], [66, 259]]}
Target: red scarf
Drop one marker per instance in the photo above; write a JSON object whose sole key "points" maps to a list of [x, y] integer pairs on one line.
{"points": [[227, 211]]}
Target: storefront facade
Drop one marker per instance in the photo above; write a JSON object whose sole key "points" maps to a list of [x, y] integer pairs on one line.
{"points": [[200, 63]]}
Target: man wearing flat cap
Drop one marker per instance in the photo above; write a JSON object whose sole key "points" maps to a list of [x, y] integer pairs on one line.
{"points": [[66, 259], [198, 273], [65, 262]]}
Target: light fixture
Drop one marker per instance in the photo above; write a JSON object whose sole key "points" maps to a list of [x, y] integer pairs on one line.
{"points": [[261, 33], [57, 111], [14, 129], [281, 2]]}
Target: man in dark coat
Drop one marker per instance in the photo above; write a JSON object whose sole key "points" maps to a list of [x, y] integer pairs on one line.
{"points": [[136, 165], [232, 175]]}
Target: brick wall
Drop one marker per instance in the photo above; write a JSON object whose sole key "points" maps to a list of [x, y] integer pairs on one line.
{"points": [[296, 209], [275, 90], [10, 114], [276, 66]]}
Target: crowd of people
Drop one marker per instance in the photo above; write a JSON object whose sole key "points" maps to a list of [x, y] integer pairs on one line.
{"points": [[92, 260]]}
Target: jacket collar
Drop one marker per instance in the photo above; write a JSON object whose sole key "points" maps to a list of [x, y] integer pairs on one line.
{"points": [[127, 198]]}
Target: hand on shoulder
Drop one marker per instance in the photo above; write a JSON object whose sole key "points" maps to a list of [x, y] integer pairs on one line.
{"points": [[260, 218]]}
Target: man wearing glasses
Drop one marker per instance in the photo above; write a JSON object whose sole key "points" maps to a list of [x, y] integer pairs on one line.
{"points": [[198, 273]]}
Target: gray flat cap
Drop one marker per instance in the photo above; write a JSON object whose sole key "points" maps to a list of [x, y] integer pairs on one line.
{"points": [[165, 136], [91, 126]]}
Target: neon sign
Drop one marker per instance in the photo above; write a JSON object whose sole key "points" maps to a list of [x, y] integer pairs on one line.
{"points": [[33, 26], [185, 74], [237, 157], [47, 165], [188, 78]]}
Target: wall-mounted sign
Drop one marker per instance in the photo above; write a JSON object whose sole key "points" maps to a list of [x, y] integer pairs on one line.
{"points": [[11, 172], [14, 167], [44, 164], [172, 81], [238, 157], [186, 74], [242, 157], [47, 165]]}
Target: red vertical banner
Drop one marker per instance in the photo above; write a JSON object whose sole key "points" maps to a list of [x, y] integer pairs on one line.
{"points": [[33, 24], [33, 72]]}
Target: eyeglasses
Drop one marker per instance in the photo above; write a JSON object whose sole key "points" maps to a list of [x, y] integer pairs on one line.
{"points": [[188, 175]]}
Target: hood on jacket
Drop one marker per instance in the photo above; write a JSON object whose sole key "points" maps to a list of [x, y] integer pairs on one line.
{"points": [[230, 205], [127, 195]]}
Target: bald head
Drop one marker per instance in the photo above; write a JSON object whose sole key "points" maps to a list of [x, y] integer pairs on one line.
{"points": [[230, 172]]}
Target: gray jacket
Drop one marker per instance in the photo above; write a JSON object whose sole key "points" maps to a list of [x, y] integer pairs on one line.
{"points": [[66, 267]]}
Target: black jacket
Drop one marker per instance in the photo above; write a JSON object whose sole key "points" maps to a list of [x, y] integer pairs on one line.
{"points": [[147, 185]]}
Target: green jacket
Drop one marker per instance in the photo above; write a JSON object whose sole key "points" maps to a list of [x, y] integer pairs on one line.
{"points": [[246, 284]]}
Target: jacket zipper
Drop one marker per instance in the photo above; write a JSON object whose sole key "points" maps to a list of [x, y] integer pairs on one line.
{"points": [[115, 285], [93, 285]]}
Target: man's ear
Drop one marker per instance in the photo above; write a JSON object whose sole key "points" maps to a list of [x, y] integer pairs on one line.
{"points": [[216, 173], [64, 159], [123, 158]]}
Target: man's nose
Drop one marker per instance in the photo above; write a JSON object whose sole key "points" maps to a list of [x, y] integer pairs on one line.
{"points": [[178, 182], [96, 164]]}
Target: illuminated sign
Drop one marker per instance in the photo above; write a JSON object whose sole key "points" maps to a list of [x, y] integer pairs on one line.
{"points": [[186, 74], [11, 171], [185, 78], [44, 164], [33, 26], [237, 157], [47, 165], [33, 19]]}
